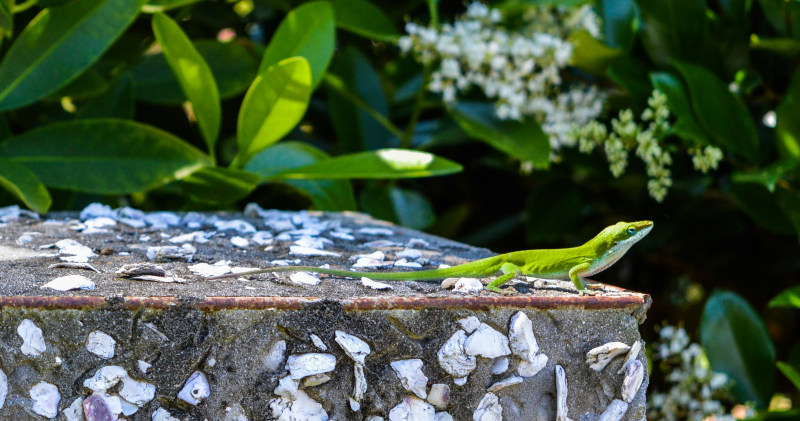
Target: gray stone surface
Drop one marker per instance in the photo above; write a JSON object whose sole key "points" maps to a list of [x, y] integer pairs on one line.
{"points": [[239, 332]]}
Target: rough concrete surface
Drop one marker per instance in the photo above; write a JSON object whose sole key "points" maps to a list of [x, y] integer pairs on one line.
{"points": [[251, 338]]}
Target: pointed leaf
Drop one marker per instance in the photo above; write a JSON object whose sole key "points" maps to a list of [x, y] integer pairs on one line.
{"points": [[787, 129], [790, 372], [686, 125], [193, 74], [116, 102], [619, 22], [382, 164], [307, 31], [103, 155], [787, 298], [219, 186], [58, 45], [522, 140], [274, 104], [673, 29], [737, 344], [155, 6], [363, 18], [23, 183], [590, 54], [334, 195], [406, 207]]}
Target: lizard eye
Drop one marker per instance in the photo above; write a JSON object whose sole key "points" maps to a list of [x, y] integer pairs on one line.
{"points": [[631, 231]]}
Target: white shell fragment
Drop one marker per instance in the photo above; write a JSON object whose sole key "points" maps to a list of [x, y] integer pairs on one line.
{"points": [[443, 416], [634, 374], [3, 388], [169, 253], [101, 344], [105, 378], [275, 357], [468, 285], [598, 358], [195, 389], [439, 396], [162, 414], [521, 338], [354, 347], [240, 242], [453, 358], [369, 283], [74, 412], [316, 380], [136, 392], [200, 237], [561, 394], [143, 366], [304, 365], [412, 409], [238, 225], [375, 231], [411, 376], [73, 251], [489, 409], [45, 399], [632, 355], [304, 278], [487, 342], [614, 411], [469, 324], [32, 339], [287, 387], [530, 368], [69, 265], [317, 341], [359, 387], [141, 269], [500, 365], [308, 251], [70, 282], [502, 384], [300, 408]]}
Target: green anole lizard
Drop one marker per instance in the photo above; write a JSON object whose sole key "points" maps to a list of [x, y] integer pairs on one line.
{"points": [[572, 263]]}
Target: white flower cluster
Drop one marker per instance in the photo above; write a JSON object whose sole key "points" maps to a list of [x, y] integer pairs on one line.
{"points": [[694, 390], [648, 142], [520, 70]]}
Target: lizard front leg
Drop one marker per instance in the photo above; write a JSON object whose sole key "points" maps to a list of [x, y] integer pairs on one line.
{"points": [[509, 271], [574, 275]]}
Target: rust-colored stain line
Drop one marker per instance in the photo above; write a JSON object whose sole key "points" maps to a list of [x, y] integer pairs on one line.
{"points": [[352, 304]]}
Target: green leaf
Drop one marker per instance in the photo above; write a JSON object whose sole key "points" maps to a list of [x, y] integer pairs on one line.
{"points": [[355, 129], [155, 6], [361, 17], [406, 207], [382, 164], [522, 140], [6, 18], [737, 344], [23, 183], [722, 114], [790, 372], [193, 74], [333, 195], [789, 201], [673, 29], [78, 155], [686, 126], [760, 205], [590, 54], [232, 64], [307, 31], [116, 102], [787, 129], [219, 186], [632, 75], [789, 47], [274, 104], [619, 22], [782, 15], [787, 298], [58, 45]]}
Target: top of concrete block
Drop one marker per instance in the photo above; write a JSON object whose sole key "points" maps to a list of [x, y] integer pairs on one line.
{"points": [[99, 242]]}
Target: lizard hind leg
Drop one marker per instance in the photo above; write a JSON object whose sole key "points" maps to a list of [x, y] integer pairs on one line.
{"points": [[508, 270]]}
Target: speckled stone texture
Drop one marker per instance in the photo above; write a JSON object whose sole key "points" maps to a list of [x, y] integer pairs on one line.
{"points": [[240, 332]]}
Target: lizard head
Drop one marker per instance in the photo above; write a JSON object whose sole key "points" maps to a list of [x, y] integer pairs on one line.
{"points": [[625, 234]]}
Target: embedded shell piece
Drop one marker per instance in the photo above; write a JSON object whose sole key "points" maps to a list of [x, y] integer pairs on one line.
{"points": [[101, 344], [439, 396], [468, 285], [369, 283], [162, 414], [304, 278], [354, 347], [276, 355], [632, 355], [561, 394], [598, 358], [469, 324], [70, 282], [105, 378], [489, 409], [359, 387], [500, 365], [45, 399], [502, 384], [300, 408], [287, 387], [412, 409], [73, 251], [453, 358], [136, 392], [521, 338], [32, 339], [195, 389], [614, 411], [531, 368], [141, 269], [304, 365], [3, 388], [487, 342], [74, 412], [96, 408], [317, 341], [634, 375], [411, 376]]}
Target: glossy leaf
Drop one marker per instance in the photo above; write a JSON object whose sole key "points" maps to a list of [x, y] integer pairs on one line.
{"points": [[155, 6], [116, 102], [632, 75], [686, 126], [274, 104], [619, 22], [6, 19], [355, 129], [674, 29], [218, 185], [789, 201], [789, 47], [406, 207], [334, 195], [737, 344], [722, 114], [307, 31], [24, 185], [363, 18], [193, 74], [787, 298], [790, 372], [522, 140], [760, 205], [782, 15], [383, 164], [232, 64], [787, 129], [80, 155], [590, 54], [58, 45]]}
